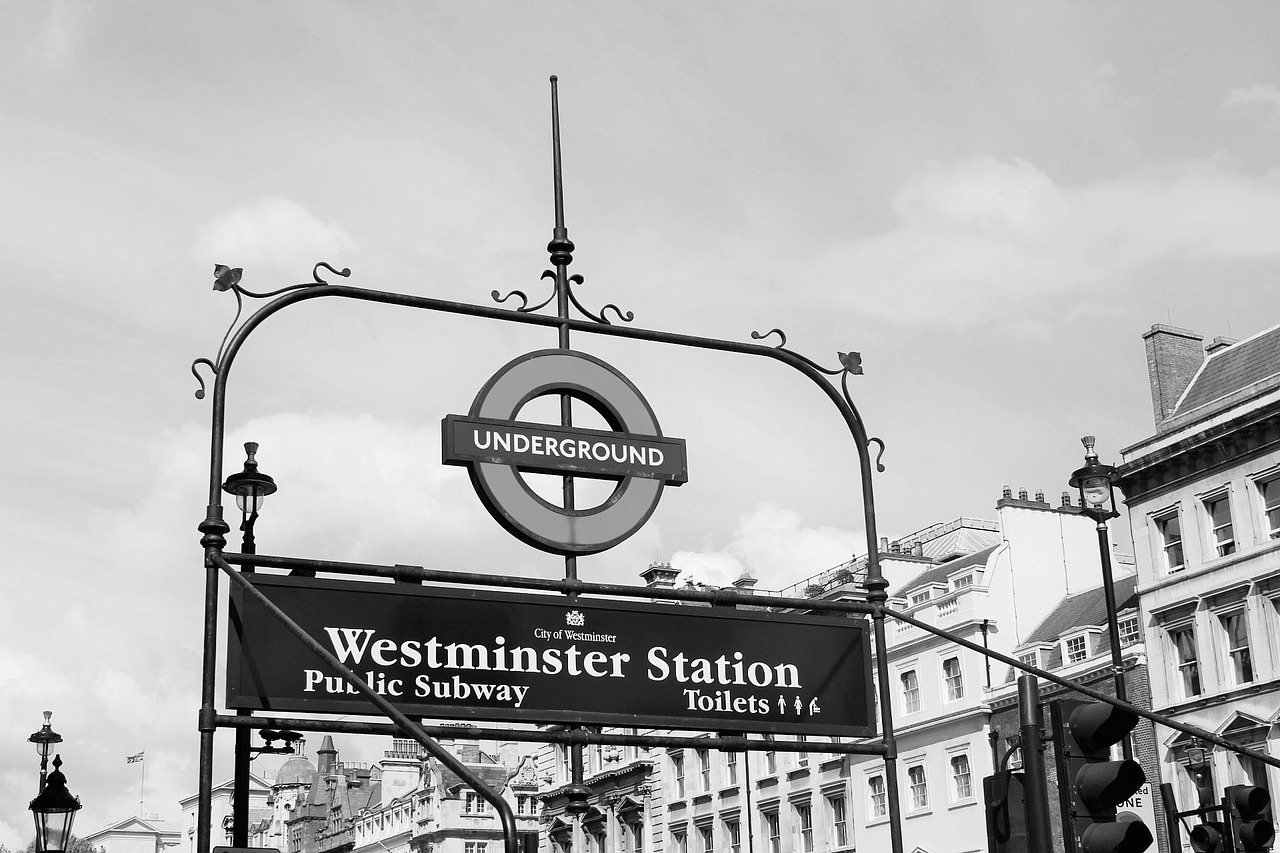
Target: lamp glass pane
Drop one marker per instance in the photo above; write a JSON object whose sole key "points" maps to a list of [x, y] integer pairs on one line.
{"points": [[1096, 491], [53, 830], [251, 502]]}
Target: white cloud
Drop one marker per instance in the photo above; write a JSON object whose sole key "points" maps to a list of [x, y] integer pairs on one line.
{"points": [[976, 234], [1258, 93], [772, 545], [272, 235]]}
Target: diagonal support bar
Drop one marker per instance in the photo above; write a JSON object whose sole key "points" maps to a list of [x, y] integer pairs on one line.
{"points": [[509, 831]]}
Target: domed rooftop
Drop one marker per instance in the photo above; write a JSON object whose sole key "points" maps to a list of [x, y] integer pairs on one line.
{"points": [[296, 771]]}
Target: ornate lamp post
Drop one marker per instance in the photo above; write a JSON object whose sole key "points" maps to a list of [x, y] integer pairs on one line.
{"points": [[44, 741], [1096, 483], [54, 810], [251, 487]]}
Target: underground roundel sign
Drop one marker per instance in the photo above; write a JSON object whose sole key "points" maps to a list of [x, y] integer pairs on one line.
{"points": [[497, 447]]}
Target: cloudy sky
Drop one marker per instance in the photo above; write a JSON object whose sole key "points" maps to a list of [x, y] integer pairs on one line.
{"points": [[990, 202]]}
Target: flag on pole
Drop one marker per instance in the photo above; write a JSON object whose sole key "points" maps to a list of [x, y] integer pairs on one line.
{"points": [[134, 759]]}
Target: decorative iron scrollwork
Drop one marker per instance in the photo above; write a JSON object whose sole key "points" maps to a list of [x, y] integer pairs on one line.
{"points": [[526, 308], [228, 278]]}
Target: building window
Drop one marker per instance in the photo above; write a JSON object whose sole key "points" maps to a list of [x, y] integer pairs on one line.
{"points": [[962, 581], [804, 822], [839, 819], [1184, 645], [1269, 492], [1170, 530], [961, 779], [954, 679], [802, 758], [773, 831], [679, 841], [636, 833], [1218, 509], [770, 763], [677, 774], [879, 804], [919, 787], [475, 846], [704, 769], [1236, 631], [472, 803], [1077, 649], [1128, 631], [910, 691], [733, 832], [1030, 658], [708, 841], [731, 767], [525, 804], [920, 597]]}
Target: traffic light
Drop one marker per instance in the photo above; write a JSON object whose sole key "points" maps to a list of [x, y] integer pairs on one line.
{"points": [[1210, 837], [1251, 817], [1006, 813], [1090, 784]]}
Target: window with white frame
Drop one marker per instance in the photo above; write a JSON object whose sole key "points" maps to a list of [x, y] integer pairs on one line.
{"points": [[1186, 660], [953, 678], [1075, 649], [921, 596], [804, 825], [731, 767], [475, 846], [704, 770], [472, 803], [919, 787], [962, 581], [1128, 631], [1269, 497], [773, 831], [733, 833], [910, 691], [877, 797], [677, 774], [707, 837], [679, 841], [1169, 530], [802, 757], [961, 777], [1031, 658], [839, 811], [770, 762], [1235, 632], [1222, 536]]}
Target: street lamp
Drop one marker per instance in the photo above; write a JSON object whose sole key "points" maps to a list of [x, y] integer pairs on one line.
{"points": [[44, 741], [251, 487], [1096, 483], [54, 810]]}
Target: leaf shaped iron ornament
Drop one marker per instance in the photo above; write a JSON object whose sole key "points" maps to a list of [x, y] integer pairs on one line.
{"points": [[228, 278]]}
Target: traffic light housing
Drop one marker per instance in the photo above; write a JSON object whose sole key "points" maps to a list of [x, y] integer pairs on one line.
{"points": [[1090, 784], [1006, 805], [1250, 808], [1210, 837]]}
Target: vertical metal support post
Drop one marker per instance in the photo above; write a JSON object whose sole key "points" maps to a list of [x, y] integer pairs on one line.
{"points": [[1035, 784], [1113, 621], [1171, 823], [244, 758]]}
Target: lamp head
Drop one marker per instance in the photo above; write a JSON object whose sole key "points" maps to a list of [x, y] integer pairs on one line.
{"points": [[1096, 483], [45, 738], [250, 486], [53, 811]]}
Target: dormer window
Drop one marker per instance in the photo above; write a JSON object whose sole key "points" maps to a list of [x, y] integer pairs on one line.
{"points": [[962, 581], [1075, 649], [921, 596], [1031, 658], [1128, 631]]}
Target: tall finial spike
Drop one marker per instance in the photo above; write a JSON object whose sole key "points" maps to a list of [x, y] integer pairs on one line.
{"points": [[560, 247]]}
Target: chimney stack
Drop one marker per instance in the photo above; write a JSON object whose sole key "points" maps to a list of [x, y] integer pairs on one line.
{"points": [[1173, 357]]}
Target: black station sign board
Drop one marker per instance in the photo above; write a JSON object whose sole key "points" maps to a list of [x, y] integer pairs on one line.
{"points": [[481, 655]]}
